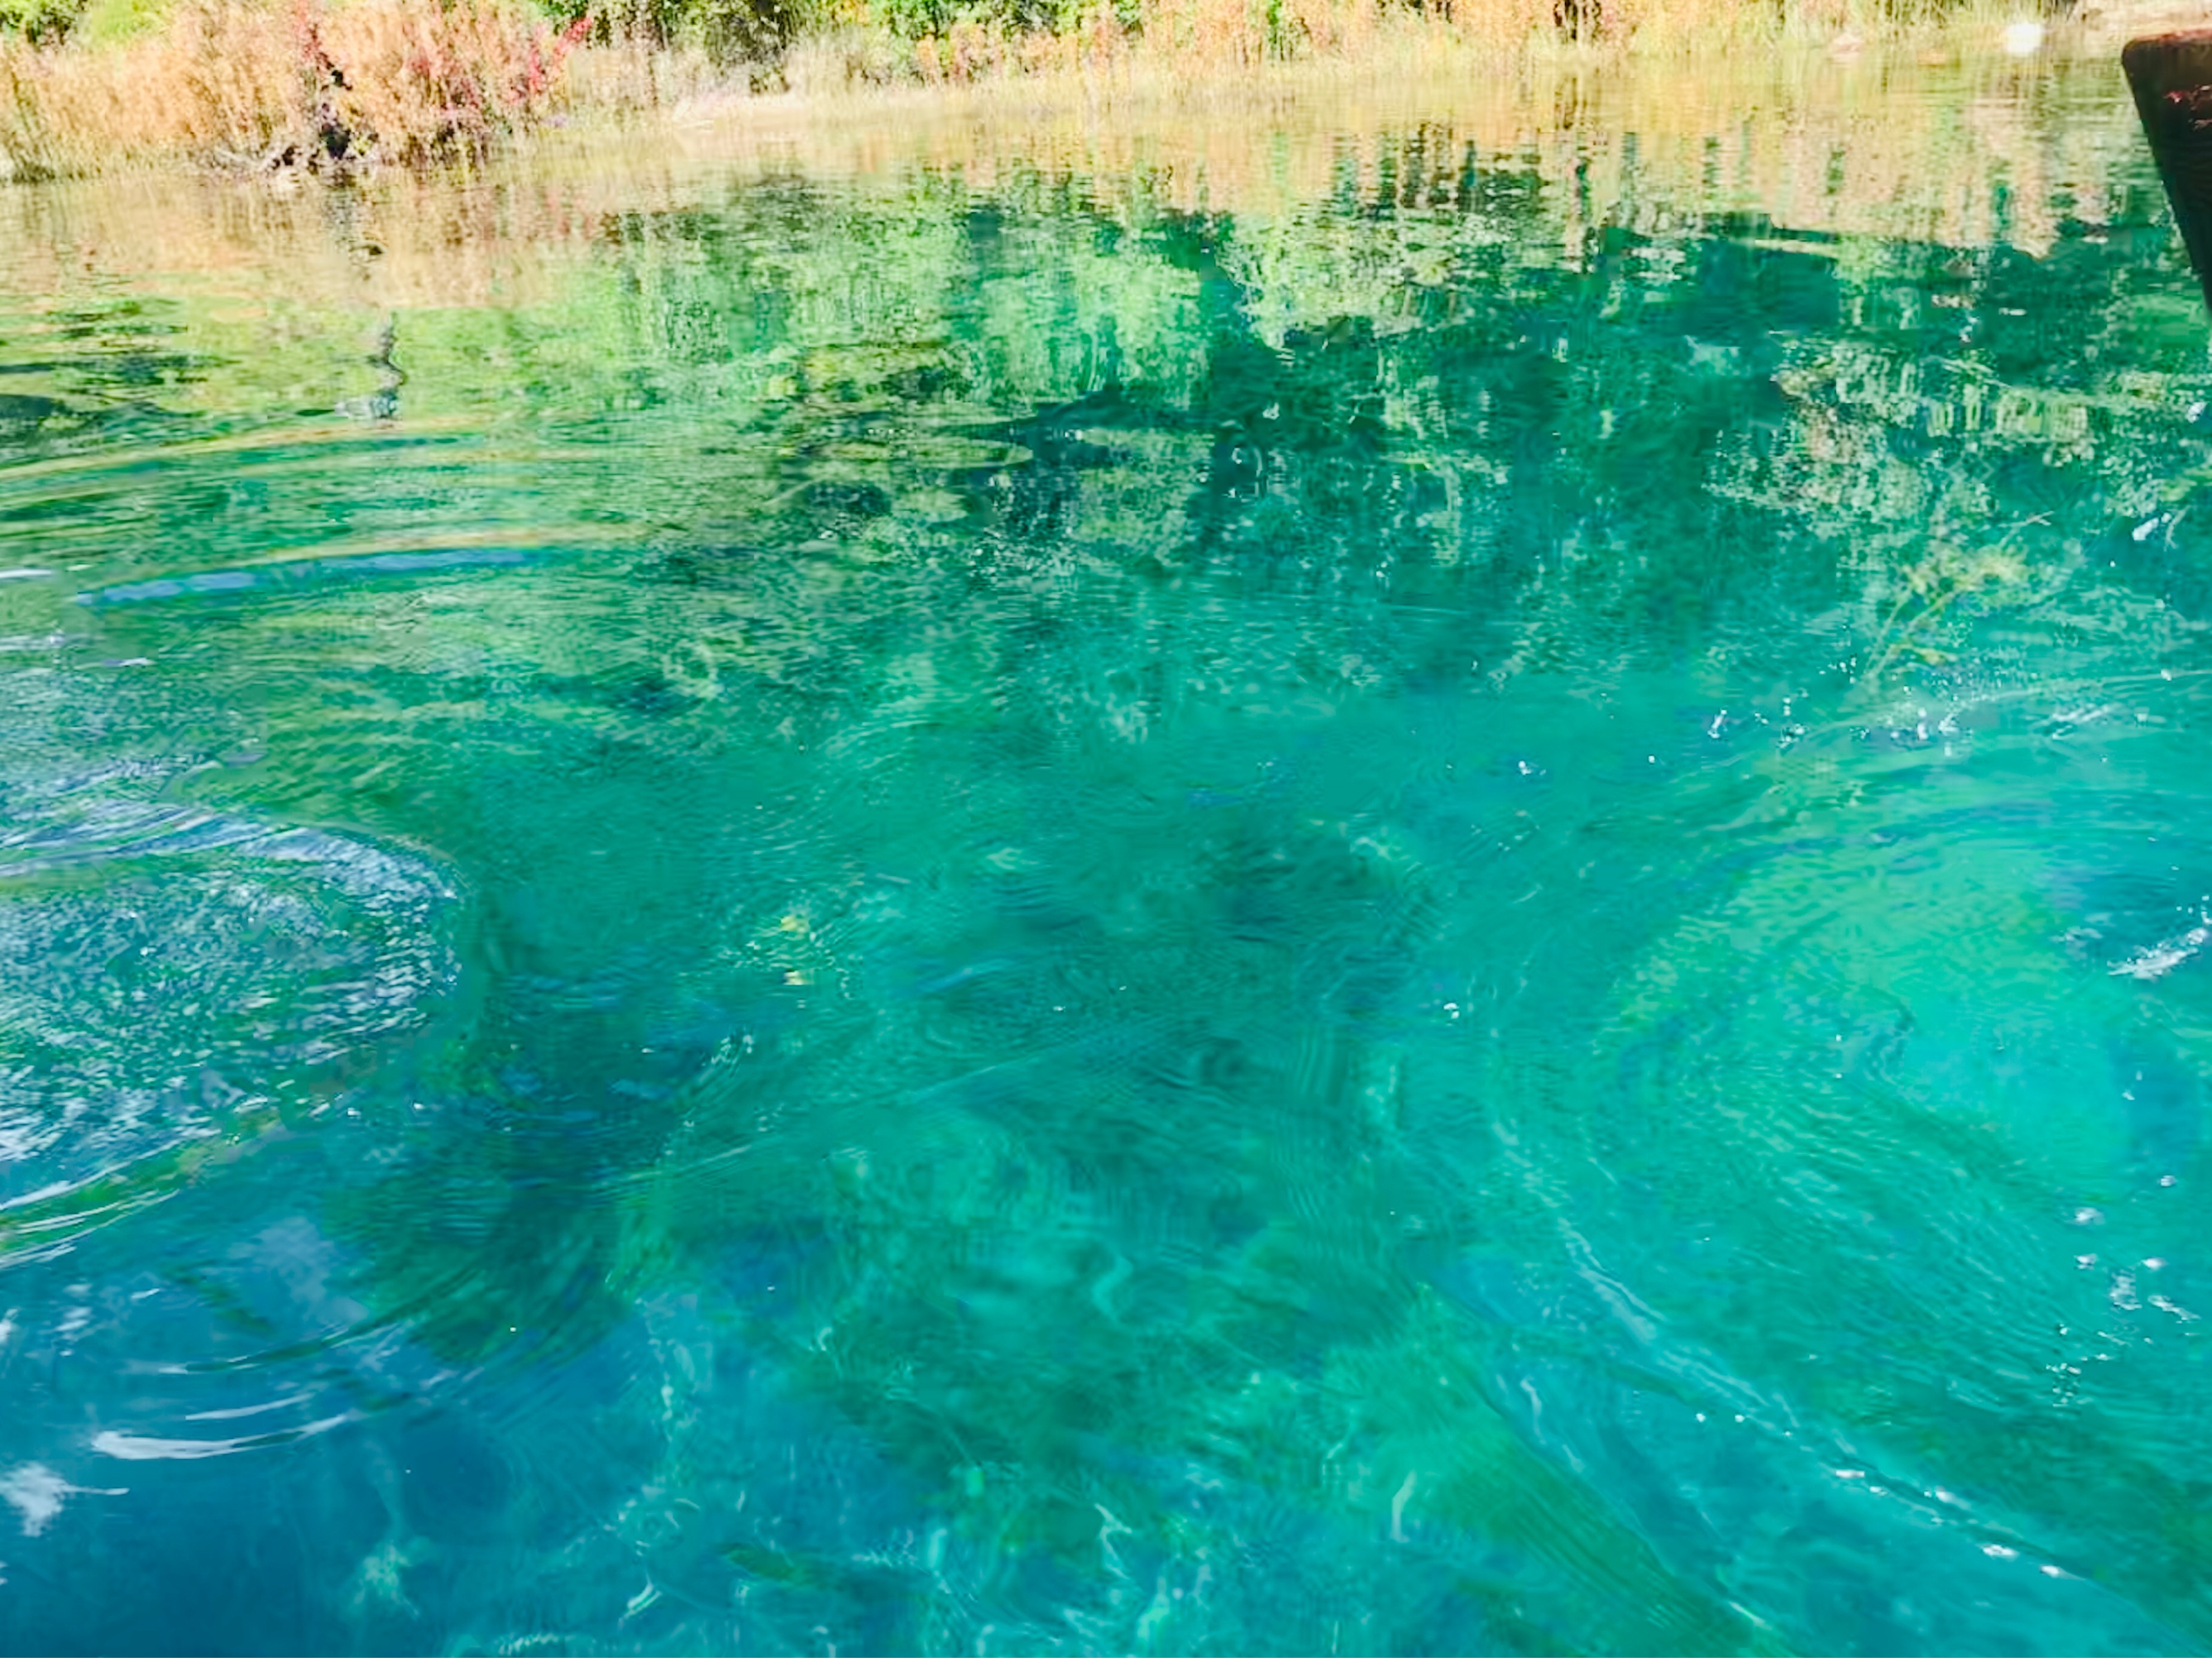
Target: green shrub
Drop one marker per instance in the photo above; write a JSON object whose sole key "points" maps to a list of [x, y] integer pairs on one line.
{"points": [[728, 30], [44, 22]]}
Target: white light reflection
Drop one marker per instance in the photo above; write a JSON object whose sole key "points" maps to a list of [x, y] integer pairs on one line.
{"points": [[139, 1447]]}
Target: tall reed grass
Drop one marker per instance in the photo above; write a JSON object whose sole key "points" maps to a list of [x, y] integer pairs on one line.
{"points": [[253, 85], [1211, 40], [343, 84]]}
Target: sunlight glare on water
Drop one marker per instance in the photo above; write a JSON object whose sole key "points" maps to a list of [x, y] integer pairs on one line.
{"points": [[1423, 880]]}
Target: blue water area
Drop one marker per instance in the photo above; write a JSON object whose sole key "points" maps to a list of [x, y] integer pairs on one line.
{"points": [[1451, 894]]}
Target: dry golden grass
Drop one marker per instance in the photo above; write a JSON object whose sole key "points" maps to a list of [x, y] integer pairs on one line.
{"points": [[246, 83], [251, 82], [1218, 39]]}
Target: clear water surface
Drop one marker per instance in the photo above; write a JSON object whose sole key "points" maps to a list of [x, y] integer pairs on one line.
{"points": [[1350, 884]]}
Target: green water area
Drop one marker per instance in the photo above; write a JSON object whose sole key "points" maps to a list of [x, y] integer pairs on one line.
{"points": [[1383, 887]]}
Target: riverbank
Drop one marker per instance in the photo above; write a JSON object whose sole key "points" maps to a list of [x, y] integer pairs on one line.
{"points": [[339, 88]]}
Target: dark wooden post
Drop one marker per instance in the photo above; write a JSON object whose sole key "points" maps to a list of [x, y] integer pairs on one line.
{"points": [[2171, 77]]}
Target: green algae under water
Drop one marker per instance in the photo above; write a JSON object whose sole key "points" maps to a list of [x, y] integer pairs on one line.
{"points": [[780, 905]]}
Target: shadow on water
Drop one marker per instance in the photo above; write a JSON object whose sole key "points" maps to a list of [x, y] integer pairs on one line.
{"points": [[2171, 75]]}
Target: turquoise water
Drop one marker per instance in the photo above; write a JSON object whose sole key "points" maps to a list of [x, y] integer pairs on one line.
{"points": [[800, 903]]}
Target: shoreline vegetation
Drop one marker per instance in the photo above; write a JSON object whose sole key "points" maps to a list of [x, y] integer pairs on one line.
{"points": [[337, 87]]}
